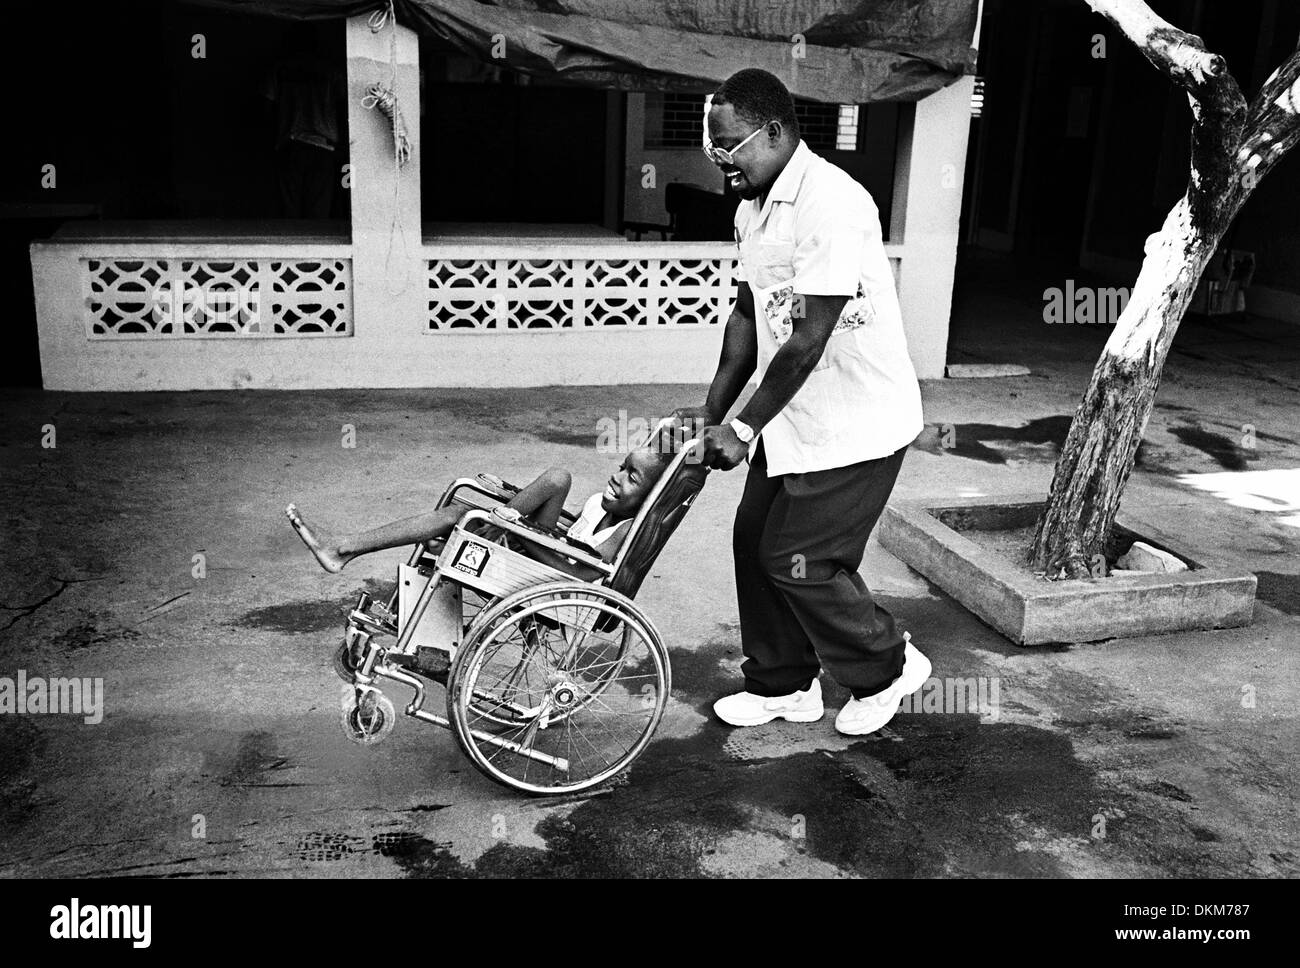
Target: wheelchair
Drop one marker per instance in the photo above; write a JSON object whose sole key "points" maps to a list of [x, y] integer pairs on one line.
{"points": [[553, 684]]}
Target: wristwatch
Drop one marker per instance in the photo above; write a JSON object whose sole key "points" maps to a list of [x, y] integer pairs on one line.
{"points": [[743, 430]]}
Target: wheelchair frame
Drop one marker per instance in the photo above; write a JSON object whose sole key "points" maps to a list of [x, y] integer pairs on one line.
{"points": [[434, 642]]}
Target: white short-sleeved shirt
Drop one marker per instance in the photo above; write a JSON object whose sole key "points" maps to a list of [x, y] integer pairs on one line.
{"points": [[584, 529], [818, 234]]}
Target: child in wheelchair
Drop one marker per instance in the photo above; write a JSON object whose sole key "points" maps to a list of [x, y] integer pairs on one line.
{"points": [[601, 526]]}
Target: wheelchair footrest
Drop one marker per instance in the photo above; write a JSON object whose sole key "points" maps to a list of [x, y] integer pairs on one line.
{"points": [[427, 661], [432, 663]]}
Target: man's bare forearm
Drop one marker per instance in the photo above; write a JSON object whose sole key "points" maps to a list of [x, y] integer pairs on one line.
{"points": [[559, 562], [787, 372], [728, 383], [738, 361], [794, 361]]}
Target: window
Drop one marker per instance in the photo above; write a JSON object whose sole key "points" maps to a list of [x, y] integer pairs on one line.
{"points": [[677, 121], [818, 123], [846, 134], [673, 120]]}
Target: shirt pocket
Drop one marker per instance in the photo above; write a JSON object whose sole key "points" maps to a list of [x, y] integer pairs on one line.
{"points": [[775, 305], [857, 312], [773, 264]]}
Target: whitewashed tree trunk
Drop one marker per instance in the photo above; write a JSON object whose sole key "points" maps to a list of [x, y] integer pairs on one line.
{"points": [[1231, 150]]}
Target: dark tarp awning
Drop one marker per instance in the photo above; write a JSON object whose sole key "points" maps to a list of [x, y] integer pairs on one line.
{"points": [[856, 51]]}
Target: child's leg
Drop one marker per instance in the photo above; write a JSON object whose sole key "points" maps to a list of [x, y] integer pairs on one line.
{"points": [[333, 553], [541, 501]]}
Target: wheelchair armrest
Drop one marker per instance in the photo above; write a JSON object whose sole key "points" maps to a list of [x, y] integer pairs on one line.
{"points": [[558, 533], [494, 487], [550, 538], [511, 515], [493, 481]]}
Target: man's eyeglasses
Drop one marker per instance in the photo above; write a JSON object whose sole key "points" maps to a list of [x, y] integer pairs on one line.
{"points": [[727, 156]]}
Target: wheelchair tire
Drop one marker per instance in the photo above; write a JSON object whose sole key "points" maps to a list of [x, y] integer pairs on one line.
{"points": [[570, 671], [343, 665], [368, 721]]}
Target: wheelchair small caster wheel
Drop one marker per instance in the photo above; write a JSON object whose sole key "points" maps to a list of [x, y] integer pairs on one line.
{"points": [[343, 664], [350, 654], [369, 718]]}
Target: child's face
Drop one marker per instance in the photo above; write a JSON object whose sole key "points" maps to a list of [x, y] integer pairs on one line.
{"points": [[628, 486]]}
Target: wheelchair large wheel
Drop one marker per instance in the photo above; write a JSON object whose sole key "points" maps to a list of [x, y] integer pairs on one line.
{"points": [[604, 668], [559, 689]]}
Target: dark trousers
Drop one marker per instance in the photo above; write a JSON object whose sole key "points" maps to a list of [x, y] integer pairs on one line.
{"points": [[798, 542]]}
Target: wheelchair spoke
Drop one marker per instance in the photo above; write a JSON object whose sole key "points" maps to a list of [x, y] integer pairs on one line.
{"points": [[558, 676]]}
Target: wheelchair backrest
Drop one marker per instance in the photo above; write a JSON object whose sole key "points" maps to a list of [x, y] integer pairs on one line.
{"points": [[658, 518]]}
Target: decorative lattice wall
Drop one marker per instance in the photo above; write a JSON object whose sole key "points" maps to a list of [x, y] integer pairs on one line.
{"points": [[506, 293], [163, 298]]}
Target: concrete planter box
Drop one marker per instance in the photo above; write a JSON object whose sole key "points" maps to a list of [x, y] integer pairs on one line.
{"points": [[927, 535]]}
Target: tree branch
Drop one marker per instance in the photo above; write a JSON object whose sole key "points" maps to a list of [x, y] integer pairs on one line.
{"points": [[1273, 125], [1218, 107]]}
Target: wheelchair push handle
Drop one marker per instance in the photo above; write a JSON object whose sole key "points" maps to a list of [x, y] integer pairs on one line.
{"points": [[672, 433]]}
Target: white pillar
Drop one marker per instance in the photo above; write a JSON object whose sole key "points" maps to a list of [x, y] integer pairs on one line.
{"points": [[927, 209], [388, 281]]}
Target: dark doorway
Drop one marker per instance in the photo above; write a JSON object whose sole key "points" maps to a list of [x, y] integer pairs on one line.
{"points": [[1061, 133], [511, 151]]}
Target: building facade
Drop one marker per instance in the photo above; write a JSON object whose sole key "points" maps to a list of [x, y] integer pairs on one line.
{"points": [[389, 297]]}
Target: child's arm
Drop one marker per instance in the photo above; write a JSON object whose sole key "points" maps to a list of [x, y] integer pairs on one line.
{"points": [[543, 499], [548, 557]]}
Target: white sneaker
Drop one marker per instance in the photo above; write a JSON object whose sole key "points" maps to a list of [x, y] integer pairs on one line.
{"points": [[746, 709], [866, 715]]}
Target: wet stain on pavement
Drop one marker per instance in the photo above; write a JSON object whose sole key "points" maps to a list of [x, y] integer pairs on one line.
{"points": [[1041, 439], [418, 856], [951, 798], [1225, 452], [932, 796], [1169, 791], [1129, 724], [20, 743], [565, 437], [1038, 440], [87, 634], [710, 671], [310, 615], [248, 765]]}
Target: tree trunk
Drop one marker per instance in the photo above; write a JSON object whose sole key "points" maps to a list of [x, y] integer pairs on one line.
{"points": [[1102, 444], [1232, 147]]}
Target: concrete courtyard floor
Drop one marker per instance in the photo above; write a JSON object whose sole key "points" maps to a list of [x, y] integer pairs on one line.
{"points": [[1167, 756]]}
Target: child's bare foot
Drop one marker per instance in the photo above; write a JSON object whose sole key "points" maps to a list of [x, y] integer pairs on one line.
{"points": [[326, 553]]}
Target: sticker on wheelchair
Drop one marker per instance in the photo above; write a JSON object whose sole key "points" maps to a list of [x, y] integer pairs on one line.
{"points": [[472, 558]]}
